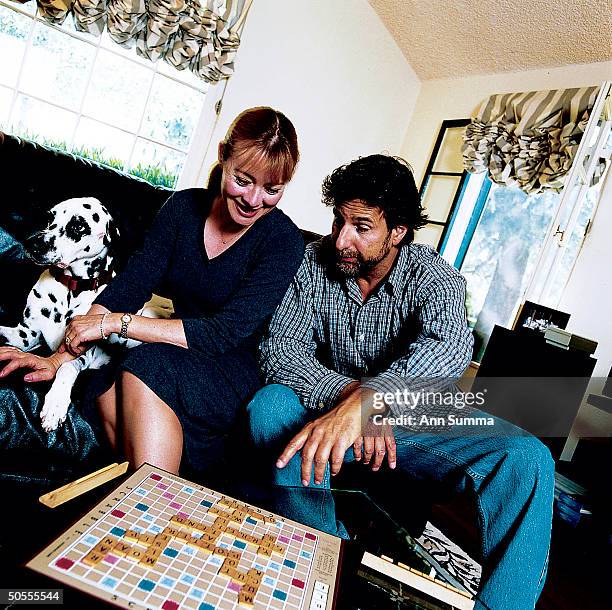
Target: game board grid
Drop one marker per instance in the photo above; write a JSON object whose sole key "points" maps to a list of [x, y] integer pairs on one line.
{"points": [[133, 508]]}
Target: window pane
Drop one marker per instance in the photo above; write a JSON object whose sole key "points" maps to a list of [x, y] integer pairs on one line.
{"points": [[429, 235], [57, 67], [172, 112], [502, 254], [572, 248], [118, 91], [156, 163], [449, 158], [439, 195], [14, 30], [6, 97], [42, 122], [103, 143], [186, 76]]}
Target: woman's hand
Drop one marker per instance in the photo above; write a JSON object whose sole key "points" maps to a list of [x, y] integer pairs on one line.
{"points": [[43, 369], [83, 330]]}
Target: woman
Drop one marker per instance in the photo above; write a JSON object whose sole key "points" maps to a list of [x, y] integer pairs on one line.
{"points": [[225, 255]]}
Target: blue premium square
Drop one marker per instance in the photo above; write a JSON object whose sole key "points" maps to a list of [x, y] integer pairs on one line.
{"points": [[196, 593]]}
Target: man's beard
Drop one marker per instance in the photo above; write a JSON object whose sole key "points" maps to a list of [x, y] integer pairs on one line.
{"points": [[362, 266]]}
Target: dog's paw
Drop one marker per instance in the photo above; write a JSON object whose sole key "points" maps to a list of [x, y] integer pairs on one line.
{"points": [[54, 412]]}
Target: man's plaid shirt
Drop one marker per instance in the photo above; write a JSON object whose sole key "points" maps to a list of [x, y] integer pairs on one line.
{"points": [[323, 336]]}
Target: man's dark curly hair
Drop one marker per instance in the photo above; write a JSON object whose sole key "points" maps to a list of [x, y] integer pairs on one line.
{"points": [[379, 181]]}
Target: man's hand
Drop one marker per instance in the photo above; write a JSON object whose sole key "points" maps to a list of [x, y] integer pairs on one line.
{"points": [[329, 435], [379, 445], [43, 369], [333, 433]]}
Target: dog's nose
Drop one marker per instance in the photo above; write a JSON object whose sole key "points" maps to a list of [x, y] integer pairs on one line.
{"points": [[36, 242], [37, 246]]}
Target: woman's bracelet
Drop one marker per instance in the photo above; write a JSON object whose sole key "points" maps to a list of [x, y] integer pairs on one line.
{"points": [[104, 337]]}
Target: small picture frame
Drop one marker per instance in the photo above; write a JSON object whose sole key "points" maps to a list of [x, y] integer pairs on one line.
{"points": [[537, 318]]}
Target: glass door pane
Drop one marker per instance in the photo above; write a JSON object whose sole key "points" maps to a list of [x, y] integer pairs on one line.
{"points": [[439, 196], [429, 235], [502, 255], [449, 158]]}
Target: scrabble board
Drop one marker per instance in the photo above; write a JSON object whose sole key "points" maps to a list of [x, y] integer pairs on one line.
{"points": [[159, 541]]}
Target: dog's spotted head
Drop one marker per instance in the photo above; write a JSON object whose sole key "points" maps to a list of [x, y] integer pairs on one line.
{"points": [[79, 228]]}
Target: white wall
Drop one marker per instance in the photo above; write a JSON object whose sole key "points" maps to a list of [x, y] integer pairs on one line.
{"points": [[588, 296], [335, 71]]}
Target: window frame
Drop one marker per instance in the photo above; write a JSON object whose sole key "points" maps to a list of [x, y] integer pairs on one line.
{"points": [[430, 172]]}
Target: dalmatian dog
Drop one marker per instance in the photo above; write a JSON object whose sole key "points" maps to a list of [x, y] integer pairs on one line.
{"points": [[76, 248]]}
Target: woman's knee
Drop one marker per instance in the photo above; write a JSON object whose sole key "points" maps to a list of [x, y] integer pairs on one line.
{"points": [[147, 355], [274, 412]]}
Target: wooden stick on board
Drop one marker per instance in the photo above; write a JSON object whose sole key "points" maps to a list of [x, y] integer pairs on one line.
{"points": [[80, 486]]}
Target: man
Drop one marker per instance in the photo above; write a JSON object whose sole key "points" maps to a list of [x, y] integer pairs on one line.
{"points": [[369, 311]]}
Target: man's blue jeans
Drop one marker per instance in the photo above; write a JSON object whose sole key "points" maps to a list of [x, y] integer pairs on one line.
{"points": [[511, 476]]}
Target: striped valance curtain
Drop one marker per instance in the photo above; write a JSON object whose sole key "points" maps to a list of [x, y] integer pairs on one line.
{"points": [[200, 35], [529, 139]]}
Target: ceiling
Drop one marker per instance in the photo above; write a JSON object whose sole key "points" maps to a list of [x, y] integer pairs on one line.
{"points": [[446, 38]]}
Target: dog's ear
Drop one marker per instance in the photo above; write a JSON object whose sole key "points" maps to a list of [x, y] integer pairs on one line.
{"points": [[112, 233]]}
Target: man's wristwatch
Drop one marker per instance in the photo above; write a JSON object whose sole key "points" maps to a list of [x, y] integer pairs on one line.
{"points": [[126, 318]]}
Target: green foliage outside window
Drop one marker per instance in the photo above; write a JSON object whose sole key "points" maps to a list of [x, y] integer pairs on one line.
{"points": [[154, 174]]}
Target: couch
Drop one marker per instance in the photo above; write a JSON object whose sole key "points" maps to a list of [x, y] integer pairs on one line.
{"points": [[38, 177]]}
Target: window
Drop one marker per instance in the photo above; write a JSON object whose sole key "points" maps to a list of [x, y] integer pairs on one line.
{"points": [[92, 97], [443, 183], [511, 246]]}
